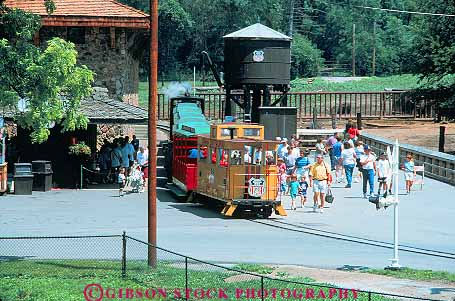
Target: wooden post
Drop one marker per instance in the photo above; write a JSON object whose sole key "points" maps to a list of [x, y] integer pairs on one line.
{"points": [[334, 121], [315, 117], [442, 131], [359, 121]]}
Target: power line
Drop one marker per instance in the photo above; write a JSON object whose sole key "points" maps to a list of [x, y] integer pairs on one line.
{"points": [[405, 11]]}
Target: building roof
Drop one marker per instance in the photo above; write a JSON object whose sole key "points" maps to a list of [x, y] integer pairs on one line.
{"points": [[99, 108], [257, 32], [90, 13]]}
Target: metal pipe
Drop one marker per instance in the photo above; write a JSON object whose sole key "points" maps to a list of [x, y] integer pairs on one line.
{"points": [[213, 68], [152, 123]]}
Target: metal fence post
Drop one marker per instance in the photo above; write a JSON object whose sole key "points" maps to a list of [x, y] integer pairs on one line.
{"points": [[262, 288], [186, 278], [124, 254], [82, 177]]}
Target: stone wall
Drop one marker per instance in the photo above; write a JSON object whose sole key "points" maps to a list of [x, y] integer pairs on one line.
{"points": [[108, 52]]}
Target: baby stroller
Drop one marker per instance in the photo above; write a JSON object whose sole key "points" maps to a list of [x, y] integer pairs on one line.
{"points": [[135, 180]]}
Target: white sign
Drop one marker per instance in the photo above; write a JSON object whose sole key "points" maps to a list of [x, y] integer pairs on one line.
{"points": [[258, 55], [256, 187]]}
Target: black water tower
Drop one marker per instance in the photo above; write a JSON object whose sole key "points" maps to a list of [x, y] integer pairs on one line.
{"points": [[257, 59]]}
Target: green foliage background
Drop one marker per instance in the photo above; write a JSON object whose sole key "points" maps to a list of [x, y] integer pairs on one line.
{"points": [[48, 80]]}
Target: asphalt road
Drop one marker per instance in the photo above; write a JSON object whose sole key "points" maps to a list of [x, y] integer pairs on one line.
{"points": [[426, 221]]}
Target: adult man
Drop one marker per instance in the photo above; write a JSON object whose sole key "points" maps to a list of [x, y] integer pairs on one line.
{"points": [[135, 144], [128, 153], [329, 146], [368, 162], [320, 179], [116, 156], [289, 160]]}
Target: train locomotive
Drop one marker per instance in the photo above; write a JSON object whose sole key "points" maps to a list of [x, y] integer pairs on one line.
{"points": [[227, 164]]}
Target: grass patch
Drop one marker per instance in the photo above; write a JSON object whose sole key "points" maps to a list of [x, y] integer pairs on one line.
{"points": [[402, 82], [66, 279], [407, 273], [254, 268]]}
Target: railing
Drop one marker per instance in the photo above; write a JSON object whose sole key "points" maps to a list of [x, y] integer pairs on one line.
{"points": [[440, 166], [384, 104], [61, 262]]}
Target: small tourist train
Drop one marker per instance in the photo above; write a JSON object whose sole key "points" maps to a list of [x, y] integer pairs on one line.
{"points": [[227, 164]]}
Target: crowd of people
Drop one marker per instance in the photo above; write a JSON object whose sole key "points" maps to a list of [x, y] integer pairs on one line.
{"points": [[351, 161], [123, 159]]}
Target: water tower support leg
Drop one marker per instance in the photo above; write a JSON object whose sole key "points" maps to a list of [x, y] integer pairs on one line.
{"points": [[266, 100], [228, 105], [247, 105], [255, 106]]}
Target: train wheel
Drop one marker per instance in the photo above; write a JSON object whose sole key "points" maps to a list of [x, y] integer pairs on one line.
{"points": [[265, 212]]}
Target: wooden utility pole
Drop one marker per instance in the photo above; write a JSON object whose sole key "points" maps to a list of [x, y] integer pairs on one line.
{"points": [[152, 123], [374, 50], [353, 49]]}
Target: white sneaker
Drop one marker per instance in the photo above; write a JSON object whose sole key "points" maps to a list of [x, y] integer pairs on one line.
{"points": [[314, 208], [364, 195], [356, 180], [321, 210]]}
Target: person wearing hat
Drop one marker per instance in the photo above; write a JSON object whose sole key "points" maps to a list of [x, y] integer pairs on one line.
{"points": [[320, 180], [368, 162], [283, 148]]}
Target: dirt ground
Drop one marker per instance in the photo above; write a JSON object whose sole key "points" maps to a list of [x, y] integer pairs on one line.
{"points": [[425, 134]]}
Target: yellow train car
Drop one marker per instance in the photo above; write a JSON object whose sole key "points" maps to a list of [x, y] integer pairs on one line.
{"points": [[237, 168]]}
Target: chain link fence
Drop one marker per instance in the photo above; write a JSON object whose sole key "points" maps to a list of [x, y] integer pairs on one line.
{"points": [[117, 266]]}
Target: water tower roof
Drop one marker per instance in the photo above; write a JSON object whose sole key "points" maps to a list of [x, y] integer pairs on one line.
{"points": [[257, 32]]}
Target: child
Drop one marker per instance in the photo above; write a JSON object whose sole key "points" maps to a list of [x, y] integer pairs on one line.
{"points": [[384, 172], [281, 165], [293, 190], [409, 173], [302, 190], [283, 181], [121, 180]]}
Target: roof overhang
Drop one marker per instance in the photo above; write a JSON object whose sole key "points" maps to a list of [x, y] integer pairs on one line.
{"points": [[84, 21]]}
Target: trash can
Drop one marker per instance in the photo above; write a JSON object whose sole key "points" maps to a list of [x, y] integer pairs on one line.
{"points": [[42, 175], [23, 178]]}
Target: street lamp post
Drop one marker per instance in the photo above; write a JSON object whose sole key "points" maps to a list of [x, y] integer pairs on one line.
{"points": [[396, 158]]}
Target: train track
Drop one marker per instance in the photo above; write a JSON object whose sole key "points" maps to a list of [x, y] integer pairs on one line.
{"points": [[350, 238]]}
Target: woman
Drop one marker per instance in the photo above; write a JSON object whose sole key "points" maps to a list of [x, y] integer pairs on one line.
{"points": [[302, 164], [320, 148], [348, 159]]}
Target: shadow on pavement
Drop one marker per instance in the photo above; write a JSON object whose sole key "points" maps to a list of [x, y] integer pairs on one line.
{"points": [[347, 267]]}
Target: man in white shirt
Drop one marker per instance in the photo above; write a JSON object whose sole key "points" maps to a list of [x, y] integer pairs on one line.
{"points": [[368, 162]]}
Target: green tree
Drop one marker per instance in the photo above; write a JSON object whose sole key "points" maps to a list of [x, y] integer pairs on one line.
{"points": [[48, 81], [435, 55], [306, 58]]}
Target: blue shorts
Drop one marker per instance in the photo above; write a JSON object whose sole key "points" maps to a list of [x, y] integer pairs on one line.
{"points": [[293, 195]]}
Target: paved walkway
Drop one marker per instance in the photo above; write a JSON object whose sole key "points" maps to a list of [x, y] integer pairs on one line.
{"points": [[426, 220]]}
